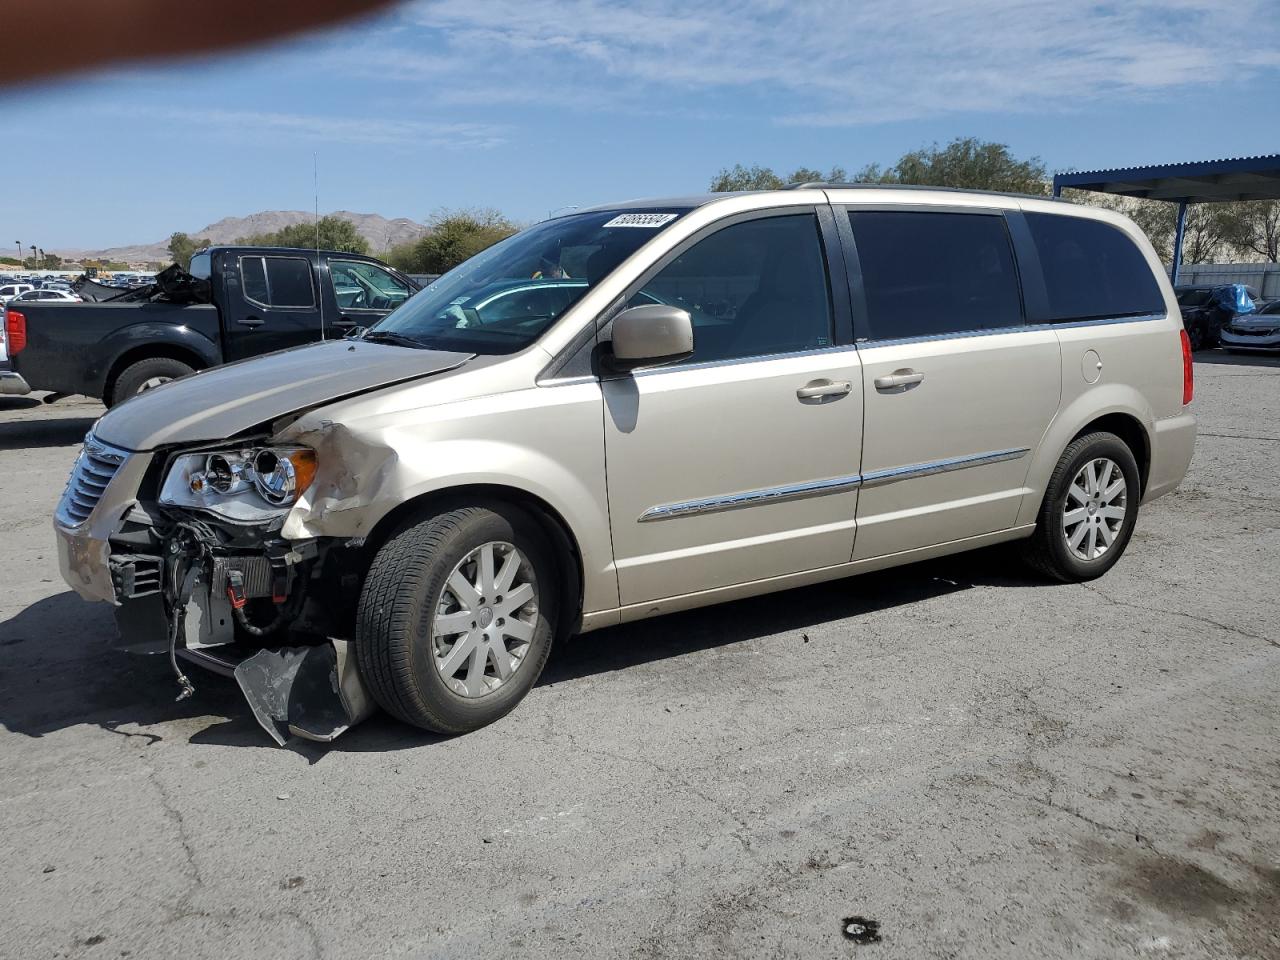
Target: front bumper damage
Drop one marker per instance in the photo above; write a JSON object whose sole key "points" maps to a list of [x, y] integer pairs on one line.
{"points": [[240, 602]]}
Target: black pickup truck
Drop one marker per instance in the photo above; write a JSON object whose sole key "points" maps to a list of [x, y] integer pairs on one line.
{"points": [[232, 303]]}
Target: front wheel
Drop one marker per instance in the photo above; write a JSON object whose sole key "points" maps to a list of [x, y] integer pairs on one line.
{"points": [[1089, 510], [456, 617]]}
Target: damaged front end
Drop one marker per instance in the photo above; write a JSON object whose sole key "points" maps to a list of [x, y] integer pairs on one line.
{"points": [[197, 568]]}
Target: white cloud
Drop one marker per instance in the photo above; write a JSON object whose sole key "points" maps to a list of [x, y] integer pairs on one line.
{"points": [[828, 62], [353, 128]]}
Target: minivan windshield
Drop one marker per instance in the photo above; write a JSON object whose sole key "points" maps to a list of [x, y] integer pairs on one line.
{"points": [[502, 299]]}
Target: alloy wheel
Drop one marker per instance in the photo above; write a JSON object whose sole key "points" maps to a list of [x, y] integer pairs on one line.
{"points": [[1095, 509], [485, 619]]}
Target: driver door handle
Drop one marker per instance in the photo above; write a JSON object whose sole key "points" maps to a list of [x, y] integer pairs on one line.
{"points": [[899, 380], [816, 389], [250, 321]]}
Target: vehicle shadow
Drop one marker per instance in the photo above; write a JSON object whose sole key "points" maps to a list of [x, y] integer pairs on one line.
{"points": [[18, 403], [28, 434], [56, 670]]}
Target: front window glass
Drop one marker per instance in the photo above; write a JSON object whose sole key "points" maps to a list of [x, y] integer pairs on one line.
{"points": [[363, 286], [502, 299], [753, 289]]}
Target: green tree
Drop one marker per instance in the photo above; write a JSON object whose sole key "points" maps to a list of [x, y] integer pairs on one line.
{"points": [[966, 162], [453, 236], [756, 177], [181, 247], [1253, 228], [329, 233]]}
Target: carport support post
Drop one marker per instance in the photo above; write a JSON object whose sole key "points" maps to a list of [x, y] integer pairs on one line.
{"points": [[1179, 233]]}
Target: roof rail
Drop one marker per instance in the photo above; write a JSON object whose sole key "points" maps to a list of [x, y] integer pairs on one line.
{"points": [[833, 185]]}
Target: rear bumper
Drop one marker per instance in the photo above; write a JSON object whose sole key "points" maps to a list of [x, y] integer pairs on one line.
{"points": [[1172, 448], [11, 384]]}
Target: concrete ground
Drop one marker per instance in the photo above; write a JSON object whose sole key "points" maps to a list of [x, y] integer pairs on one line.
{"points": [[978, 763]]}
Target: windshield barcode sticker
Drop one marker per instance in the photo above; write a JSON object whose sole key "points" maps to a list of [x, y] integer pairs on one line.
{"points": [[649, 220]]}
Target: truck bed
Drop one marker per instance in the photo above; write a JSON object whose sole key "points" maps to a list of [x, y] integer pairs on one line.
{"points": [[71, 347]]}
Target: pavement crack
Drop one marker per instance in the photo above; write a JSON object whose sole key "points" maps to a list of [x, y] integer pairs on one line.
{"points": [[174, 815], [1208, 621]]}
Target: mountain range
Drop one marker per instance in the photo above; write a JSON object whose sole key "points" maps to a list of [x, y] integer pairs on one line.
{"points": [[378, 230]]}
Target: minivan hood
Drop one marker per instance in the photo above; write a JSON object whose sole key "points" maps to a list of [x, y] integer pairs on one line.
{"points": [[219, 403]]}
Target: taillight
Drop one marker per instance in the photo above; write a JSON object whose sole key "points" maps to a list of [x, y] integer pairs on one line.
{"points": [[15, 328], [1188, 374]]}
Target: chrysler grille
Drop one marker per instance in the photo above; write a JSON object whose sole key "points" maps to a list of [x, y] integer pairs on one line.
{"points": [[93, 470]]}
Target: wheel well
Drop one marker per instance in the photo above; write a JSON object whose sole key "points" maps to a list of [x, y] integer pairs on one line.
{"points": [[1131, 431], [145, 352], [559, 536]]}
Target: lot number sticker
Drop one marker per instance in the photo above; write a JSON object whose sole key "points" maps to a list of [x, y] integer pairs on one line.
{"points": [[650, 220]]}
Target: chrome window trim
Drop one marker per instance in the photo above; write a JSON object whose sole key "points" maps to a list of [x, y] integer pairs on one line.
{"points": [[1100, 321], [818, 488], [735, 361], [751, 498], [878, 478], [957, 335]]}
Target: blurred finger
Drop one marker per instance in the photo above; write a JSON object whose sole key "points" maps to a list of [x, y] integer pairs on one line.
{"points": [[43, 40]]}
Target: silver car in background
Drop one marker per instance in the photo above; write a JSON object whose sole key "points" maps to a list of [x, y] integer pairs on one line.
{"points": [[1255, 331], [631, 410]]}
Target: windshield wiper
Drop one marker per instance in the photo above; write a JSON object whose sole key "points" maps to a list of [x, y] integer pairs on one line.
{"points": [[399, 339]]}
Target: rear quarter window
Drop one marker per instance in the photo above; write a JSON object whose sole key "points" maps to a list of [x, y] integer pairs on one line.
{"points": [[1092, 270]]}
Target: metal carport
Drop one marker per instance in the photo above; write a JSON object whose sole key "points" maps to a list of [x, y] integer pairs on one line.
{"points": [[1206, 181]]}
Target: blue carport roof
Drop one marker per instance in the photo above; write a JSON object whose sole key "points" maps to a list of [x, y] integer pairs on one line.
{"points": [[1205, 181]]}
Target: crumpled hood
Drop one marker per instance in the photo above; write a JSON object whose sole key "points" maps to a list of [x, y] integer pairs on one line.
{"points": [[221, 402]]}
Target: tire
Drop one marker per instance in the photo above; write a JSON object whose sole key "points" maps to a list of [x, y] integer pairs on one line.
{"points": [[141, 376], [1049, 550], [410, 591]]}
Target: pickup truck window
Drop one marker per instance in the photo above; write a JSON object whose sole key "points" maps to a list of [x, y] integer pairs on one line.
{"points": [[364, 286], [278, 281]]}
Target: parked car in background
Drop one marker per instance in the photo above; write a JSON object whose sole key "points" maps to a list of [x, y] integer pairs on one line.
{"points": [[1207, 309], [1255, 332], [10, 290], [632, 410], [47, 293], [237, 302]]}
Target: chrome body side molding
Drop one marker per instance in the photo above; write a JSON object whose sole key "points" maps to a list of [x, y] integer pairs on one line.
{"points": [[751, 498], [818, 488], [878, 478]]}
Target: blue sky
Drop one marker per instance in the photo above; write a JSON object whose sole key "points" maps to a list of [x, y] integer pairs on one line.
{"points": [[533, 105]]}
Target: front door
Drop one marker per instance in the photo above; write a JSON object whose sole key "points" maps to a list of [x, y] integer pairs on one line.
{"points": [[741, 463], [279, 308], [363, 293], [958, 388]]}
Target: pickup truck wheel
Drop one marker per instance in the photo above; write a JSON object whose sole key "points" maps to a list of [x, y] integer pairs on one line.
{"points": [[145, 375], [456, 617], [1089, 510]]}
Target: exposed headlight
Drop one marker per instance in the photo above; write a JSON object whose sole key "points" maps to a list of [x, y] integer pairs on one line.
{"points": [[248, 485]]}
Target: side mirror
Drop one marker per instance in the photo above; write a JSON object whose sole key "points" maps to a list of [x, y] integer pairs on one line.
{"points": [[650, 335]]}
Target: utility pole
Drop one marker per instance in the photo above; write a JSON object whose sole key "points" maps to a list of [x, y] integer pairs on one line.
{"points": [[19, 243], [35, 264]]}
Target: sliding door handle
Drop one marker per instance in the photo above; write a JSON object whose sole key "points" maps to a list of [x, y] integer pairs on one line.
{"points": [[899, 380], [817, 389]]}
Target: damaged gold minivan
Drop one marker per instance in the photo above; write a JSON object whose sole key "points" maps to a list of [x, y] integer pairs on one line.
{"points": [[632, 410]]}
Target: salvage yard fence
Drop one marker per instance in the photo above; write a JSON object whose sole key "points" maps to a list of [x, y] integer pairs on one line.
{"points": [[1263, 277]]}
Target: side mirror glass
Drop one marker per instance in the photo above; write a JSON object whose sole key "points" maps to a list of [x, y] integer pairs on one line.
{"points": [[650, 335]]}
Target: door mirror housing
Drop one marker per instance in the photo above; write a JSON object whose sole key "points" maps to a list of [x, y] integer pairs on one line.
{"points": [[650, 335]]}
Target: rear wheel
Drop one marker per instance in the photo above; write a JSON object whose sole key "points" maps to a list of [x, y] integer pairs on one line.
{"points": [[456, 617], [1089, 510], [146, 375]]}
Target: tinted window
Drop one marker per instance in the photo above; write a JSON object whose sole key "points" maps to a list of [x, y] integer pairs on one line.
{"points": [[253, 278], [289, 280], [927, 274], [754, 288], [1091, 269]]}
